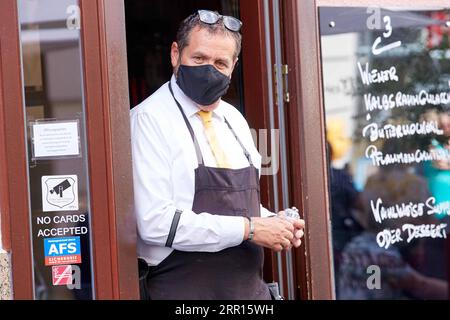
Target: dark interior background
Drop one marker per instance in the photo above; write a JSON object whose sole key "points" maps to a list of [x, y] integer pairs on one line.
{"points": [[151, 28]]}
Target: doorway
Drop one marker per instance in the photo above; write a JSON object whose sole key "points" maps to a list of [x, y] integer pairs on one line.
{"points": [[151, 28]]}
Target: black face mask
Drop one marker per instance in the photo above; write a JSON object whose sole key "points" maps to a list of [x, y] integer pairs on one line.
{"points": [[205, 85]]}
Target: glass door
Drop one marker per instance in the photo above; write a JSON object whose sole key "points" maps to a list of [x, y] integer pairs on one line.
{"points": [[251, 90], [387, 110], [66, 158], [57, 156]]}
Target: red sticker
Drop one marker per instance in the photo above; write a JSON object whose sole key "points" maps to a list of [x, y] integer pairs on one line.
{"points": [[62, 275]]}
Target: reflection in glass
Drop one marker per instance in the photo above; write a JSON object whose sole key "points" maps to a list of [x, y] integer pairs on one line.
{"points": [[52, 77], [386, 78]]}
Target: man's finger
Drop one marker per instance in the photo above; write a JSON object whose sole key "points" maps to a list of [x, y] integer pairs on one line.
{"points": [[288, 224], [288, 235], [277, 248], [296, 243], [299, 223], [299, 234], [286, 244]]}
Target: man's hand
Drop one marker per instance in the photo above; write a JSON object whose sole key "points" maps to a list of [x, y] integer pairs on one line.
{"points": [[299, 226], [275, 233]]}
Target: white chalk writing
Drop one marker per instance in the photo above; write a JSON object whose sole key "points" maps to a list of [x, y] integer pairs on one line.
{"points": [[388, 237], [399, 100], [375, 76], [408, 210], [390, 131], [376, 49], [380, 159]]}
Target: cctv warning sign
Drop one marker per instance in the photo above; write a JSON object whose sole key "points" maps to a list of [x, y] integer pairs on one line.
{"points": [[60, 193], [62, 251]]}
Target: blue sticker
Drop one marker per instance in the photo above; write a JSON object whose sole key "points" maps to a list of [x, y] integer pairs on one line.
{"points": [[62, 250]]}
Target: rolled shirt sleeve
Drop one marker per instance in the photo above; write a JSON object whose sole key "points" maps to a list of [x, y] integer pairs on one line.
{"points": [[265, 213]]}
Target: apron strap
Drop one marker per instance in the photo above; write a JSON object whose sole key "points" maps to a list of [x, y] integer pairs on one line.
{"points": [[173, 228], [247, 154], [191, 131], [194, 139]]}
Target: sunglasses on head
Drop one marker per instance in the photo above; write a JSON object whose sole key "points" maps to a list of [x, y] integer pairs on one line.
{"points": [[211, 17]]}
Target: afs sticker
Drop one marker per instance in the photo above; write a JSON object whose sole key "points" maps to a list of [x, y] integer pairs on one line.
{"points": [[62, 251]]}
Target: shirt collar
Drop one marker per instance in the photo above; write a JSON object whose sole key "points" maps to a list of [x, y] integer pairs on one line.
{"points": [[190, 108]]}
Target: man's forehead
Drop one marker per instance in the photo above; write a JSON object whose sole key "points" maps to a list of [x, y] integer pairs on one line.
{"points": [[203, 41], [209, 52]]}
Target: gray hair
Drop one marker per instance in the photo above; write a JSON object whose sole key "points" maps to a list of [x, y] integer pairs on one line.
{"points": [[193, 21]]}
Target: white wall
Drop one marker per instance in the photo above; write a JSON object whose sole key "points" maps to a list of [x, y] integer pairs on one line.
{"points": [[1, 241], [339, 63], [5, 273]]}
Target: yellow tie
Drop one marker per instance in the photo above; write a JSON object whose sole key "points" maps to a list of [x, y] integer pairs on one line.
{"points": [[217, 151]]}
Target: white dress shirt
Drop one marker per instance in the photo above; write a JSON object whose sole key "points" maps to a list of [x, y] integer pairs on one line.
{"points": [[164, 161]]}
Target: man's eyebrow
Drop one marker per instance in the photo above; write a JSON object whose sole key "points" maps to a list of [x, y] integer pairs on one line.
{"points": [[199, 54], [224, 60], [203, 55]]}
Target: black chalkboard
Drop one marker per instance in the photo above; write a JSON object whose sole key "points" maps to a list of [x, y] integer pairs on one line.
{"points": [[386, 84]]}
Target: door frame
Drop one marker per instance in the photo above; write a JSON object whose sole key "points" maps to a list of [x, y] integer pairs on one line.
{"points": [[258, 63], [108, 129], [14, 200], [256, 91], [307, 146]]}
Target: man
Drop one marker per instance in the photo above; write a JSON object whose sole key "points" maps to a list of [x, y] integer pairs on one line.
{"points": [[201, 226]]}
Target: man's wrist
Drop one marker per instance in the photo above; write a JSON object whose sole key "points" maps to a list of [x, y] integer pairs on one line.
{"points": [[250, 229], [246, 228]]}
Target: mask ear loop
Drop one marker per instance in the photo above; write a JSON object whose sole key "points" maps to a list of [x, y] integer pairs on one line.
{"points": [[238, 64], [179, 62]]}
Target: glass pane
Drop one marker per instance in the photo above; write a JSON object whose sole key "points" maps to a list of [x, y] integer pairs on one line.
{"points": [[57, 157], [386, 78]]}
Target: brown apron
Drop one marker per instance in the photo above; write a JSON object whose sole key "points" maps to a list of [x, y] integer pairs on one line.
{"points": [[231, 274]]}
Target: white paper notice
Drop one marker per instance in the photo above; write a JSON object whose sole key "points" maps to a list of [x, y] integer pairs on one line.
{"points": [[60, 193], [56, 139]]}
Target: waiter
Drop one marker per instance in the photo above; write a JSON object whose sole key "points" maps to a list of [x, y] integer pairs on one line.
{"points": [[201, 226]]}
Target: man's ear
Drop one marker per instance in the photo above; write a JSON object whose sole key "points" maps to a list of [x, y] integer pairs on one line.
{"points": [[174, 55], [236, 61]]}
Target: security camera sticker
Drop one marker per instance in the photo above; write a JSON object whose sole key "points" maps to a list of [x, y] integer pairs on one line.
{"points": [[60, 193]]}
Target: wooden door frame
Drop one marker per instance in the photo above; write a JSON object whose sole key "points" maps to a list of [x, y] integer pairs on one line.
{"points": [[107, 121], [256, 96], [109, 145], [257, 112], [307, 130], [307, 148], [5, 240], [257, 108], [15, 200]]}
